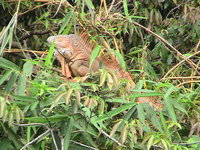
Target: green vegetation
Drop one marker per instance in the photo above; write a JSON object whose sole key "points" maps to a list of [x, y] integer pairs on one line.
{"points": [[157, 41]]}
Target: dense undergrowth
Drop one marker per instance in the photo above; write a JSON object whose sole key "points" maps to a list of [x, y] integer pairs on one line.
{"points": [[156, 41]]}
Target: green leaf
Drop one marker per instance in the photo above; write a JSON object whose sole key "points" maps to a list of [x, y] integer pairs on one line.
{"points": [[65, 21], [125, 8], [94, 54], [144, 95], [121, 60], [55, 118], [169, 105], [25, 98], [11, 82], [150, 142], [156, 122], [49, 55], [89, 4], [179, 107], [21, 87], [28, 68], [5, 76], [8, 64], [27, 71], [66, 31], [141, 113], [68, 134], [114, 112], [117, 100]]}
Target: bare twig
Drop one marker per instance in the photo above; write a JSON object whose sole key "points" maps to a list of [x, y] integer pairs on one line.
{"points": [[111, 6], [31, 124], [40, 136], [183, 78], [83, 145], [114, 140], [25, 50], [37, 32], [192, 81], [38, 6], [54, 141], [36, 139]]}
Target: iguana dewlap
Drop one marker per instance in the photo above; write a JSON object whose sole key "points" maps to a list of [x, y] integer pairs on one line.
{"points": [[73, 52]]}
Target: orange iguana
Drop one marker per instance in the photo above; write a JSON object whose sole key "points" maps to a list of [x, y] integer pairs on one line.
{"points": [[73, 52]]}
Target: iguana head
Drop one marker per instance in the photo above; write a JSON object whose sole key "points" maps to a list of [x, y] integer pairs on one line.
{"points": [[71, 46], [62, 45]]}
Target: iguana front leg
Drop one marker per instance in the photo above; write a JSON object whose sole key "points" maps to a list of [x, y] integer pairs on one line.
{"points": [[81, 67], [64, 67]]}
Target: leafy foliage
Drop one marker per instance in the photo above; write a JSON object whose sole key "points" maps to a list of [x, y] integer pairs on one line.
{"points": [[156, 41]]}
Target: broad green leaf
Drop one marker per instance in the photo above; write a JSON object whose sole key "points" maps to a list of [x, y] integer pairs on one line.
{"points": [[121, 60], [66, 31], [55, 118], [65, 21], [144, 95], [4, 63], [27, 71], [150, 142], [141, 113], [125, 8], [179, 107], [117, 100], [25, 98], [7, 35], [68, 133], [156, 122], [94, 54], [114, 112], [169, 105], [5, 76], [164, 144], [21, 86], [11, 82], [28, 68], [49, 55], [89, 4]]}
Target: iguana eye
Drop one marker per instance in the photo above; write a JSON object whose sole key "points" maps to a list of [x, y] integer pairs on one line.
{"points": [[67, 52]]}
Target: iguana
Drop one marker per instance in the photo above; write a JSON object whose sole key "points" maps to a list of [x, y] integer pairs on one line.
{"points": [[73, 52]]}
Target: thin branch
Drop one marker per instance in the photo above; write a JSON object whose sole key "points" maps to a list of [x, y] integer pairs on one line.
{"points": [[25, 50], [40, 136], [111, 6], [183, 78], [37, 32], [54, 141], [38, 6], [114, 140], [83, 145], [192, 81], [36, 139], [31, 124]]}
